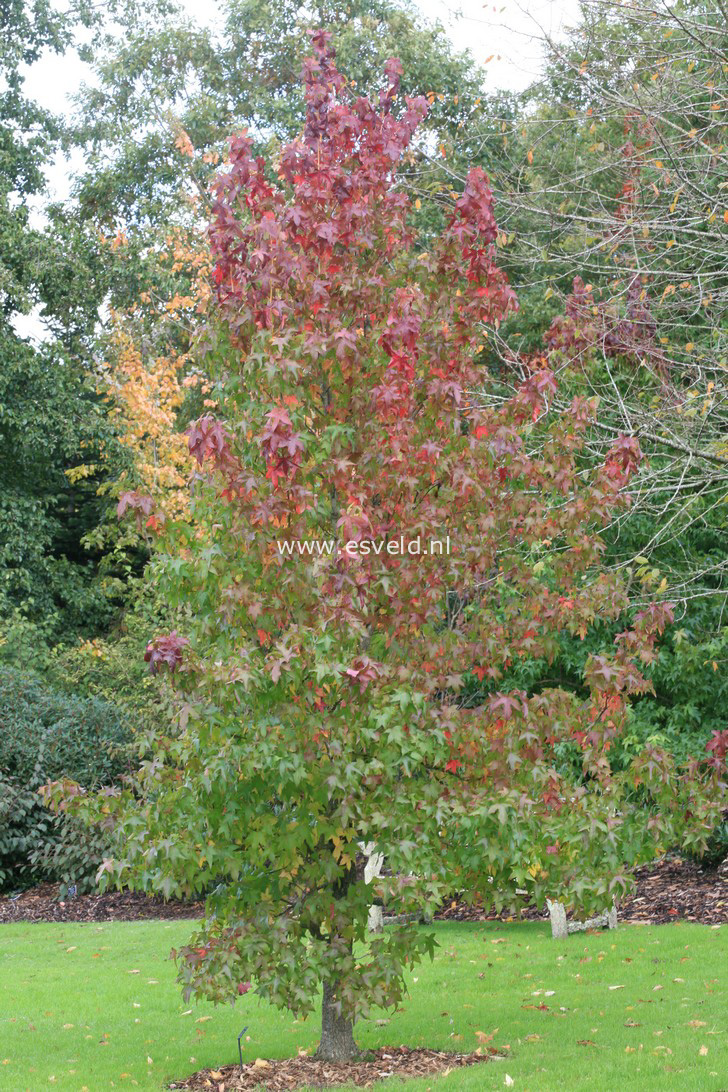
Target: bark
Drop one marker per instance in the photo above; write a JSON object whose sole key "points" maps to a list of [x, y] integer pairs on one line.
{"points": [[337, 1032]]}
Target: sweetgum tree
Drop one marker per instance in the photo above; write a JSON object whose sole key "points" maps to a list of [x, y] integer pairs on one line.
{"points": [[326, 697]]}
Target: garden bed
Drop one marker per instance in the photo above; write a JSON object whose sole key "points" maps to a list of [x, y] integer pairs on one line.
{"points": [[672, 890], [43, 904]]}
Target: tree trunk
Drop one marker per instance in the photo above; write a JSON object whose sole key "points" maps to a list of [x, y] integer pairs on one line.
{"points": [[337, 1032]]}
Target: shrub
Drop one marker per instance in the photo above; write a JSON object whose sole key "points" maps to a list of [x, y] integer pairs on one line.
{"points": [[110, 667], [19, 812], [716, 850], [46, 735]]}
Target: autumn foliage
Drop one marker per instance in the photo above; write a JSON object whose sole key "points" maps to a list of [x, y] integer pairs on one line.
{"points": [[332, 700], [146, 377]]}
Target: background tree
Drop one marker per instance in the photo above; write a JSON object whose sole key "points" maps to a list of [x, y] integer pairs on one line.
{"points": [[168, 75], [322, 690], [49, 417], [614, 230], [153, 388], [623, 188]]}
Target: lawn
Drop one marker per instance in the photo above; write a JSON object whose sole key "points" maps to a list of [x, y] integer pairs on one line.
{"points": [[95, 1006]]}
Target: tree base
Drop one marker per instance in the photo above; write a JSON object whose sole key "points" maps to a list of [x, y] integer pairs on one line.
{"points": [[337, 1032], [340, 1053]]}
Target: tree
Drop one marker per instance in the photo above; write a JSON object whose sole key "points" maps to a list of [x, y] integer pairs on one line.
{"points": [[321, 687], [167, 72], [614, 232], [622, 162], [48, 411], [154, 124], [153, 389]]}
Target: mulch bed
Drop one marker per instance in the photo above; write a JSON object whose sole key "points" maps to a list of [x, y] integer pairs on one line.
{"points": [[291, 1073], [42, 904], [671, 890], [676, 889]]}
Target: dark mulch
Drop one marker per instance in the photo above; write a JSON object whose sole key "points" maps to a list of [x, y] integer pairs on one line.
{"points": [[291, 1073], [679, 889], [671, 890], [457, 910], [42, 904]]}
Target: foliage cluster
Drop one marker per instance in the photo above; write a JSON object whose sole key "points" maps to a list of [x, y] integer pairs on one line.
{"points": [[588, 172], [45, 734]]}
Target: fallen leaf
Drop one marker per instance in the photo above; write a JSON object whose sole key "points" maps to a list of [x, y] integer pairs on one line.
{"points": [[616, 987], [703, 1050], [697, 1023]]}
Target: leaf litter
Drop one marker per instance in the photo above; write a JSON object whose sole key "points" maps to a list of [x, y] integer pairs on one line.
{"points": [[287, 1074]]}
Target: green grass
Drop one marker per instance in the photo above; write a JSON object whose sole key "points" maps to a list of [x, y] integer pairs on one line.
{"points": [[96, 1007]]}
